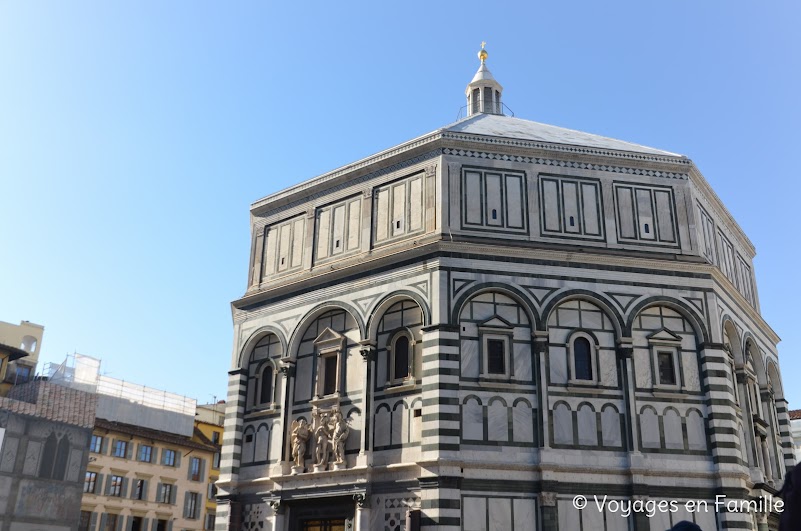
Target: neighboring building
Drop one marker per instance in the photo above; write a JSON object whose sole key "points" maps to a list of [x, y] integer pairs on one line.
{"points": [[25, 337], [209, 420], [467, 330], [44, 438], [8, 355], [149, 464], [795, 430]]}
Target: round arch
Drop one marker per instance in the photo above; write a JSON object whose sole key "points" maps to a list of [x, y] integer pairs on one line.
{"points": [[396, 296], [505, 289], [314, 313], [680, 306], [775, 380], [257, 336], [589, 296], [730, 331], [750, 347]]}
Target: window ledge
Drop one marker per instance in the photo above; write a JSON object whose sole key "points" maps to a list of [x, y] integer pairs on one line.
{"points": [[399, 388], [325, 400], [581, 384]]}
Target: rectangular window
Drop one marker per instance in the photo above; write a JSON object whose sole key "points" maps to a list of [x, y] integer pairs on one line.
{"points": [[115, 486], [111, 522], [194, 469], [215, 437], [168, 457], [139, 490], [145, 453], [210, 520], [496, 356], [96, 445], [120, 448], [192, 505], [330, 375], [89, 482], [137, 524], [166, 494], [23, 374], [216, 461], [161, 525], [667, 370], [86, 519], [212, 491]]}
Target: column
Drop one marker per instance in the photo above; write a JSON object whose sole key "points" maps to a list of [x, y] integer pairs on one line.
{"points": [[288, 370], [724, 437], [541, 360], [440, 484], [550, 518], [367, 350], [278, 517], [362, 522]]}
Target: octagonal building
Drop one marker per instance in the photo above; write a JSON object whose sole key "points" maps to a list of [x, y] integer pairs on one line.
{"points": [[470, 329]]}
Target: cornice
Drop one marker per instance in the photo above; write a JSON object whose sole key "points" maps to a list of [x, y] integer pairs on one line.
{"points": [[544, 161], [565, 148]]}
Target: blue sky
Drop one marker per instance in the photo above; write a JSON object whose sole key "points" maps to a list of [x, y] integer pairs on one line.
{"points": [[135, 135]]}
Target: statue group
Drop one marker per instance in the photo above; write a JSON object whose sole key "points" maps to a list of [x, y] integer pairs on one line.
{"points": [[330, 430]]}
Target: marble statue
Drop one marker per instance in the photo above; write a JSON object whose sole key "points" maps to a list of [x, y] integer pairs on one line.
{"points": [[338, 438], [322, 435], [300, 434]]}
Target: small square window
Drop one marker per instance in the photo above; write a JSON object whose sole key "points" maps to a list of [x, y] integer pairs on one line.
{"points": [[120, 448], [96, 445], [146, 453], [168, 457]]}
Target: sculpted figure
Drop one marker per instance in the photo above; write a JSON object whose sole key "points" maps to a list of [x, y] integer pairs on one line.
{"points": [[300, 434], [338, 437], [322, 434]]}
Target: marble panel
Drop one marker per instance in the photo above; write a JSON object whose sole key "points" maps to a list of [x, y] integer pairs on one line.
{"points": [[696, 433], [469, 355], [9, 456], [522, 361], [642, 368], [509, 313], [354, 221], [522, 423], [607, 367], [500, 514], [660, 520], [382, 427], [382, 215], [557, 357], [707, 520], [562, 425], [34, 451], [615, 521], [277, 436], [298, 233], [262, 446], [569, 517], [483, 311], [649, 429], [681, 513], [497, 421], [353, 442], [303, 379], [587, 426], [472, 420], [650, 322], [592, 320], [610, 427], [690, 367], [592, 518], [568, 318], [398, 414], [525, 511], [674, 324], [475, 514], [674, 437], [416, 204]]}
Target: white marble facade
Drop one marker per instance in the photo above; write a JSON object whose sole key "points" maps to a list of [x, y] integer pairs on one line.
{"points": [[503, 321]]}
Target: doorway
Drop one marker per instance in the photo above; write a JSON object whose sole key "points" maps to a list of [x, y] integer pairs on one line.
{"points": [[330, 524]]}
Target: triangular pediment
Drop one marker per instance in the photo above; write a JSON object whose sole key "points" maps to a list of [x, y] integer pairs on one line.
{"points": [[496, 321], [328, 336], [664, 335]]}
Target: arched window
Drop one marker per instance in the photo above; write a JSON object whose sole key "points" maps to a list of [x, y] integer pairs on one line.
{"points": [[266, 391], [401, 357], [400, 361], [582, 359], [55, 455]]}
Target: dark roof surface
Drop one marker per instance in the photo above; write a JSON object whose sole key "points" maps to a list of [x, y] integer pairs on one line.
{"points": [[795, 414], [156, 435], [14, 353]]}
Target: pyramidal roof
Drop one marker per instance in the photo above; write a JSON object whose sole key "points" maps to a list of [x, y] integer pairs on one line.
{"points": [[499, 125]]}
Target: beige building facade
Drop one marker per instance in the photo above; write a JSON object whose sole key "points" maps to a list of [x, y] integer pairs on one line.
{"points": [[26, 337]]}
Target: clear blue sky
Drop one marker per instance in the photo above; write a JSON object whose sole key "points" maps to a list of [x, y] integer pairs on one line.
{"points": [[135, 135]]}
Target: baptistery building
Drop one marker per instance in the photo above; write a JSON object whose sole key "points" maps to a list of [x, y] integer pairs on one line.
{"points": [[479, 328]]}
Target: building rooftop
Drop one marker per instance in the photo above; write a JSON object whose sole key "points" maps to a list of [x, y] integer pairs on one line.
{"points": [[157, 435], [510, 127], [795, 414]]}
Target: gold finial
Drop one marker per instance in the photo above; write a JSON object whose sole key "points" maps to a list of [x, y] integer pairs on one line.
{"points": [[483, 53]]}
